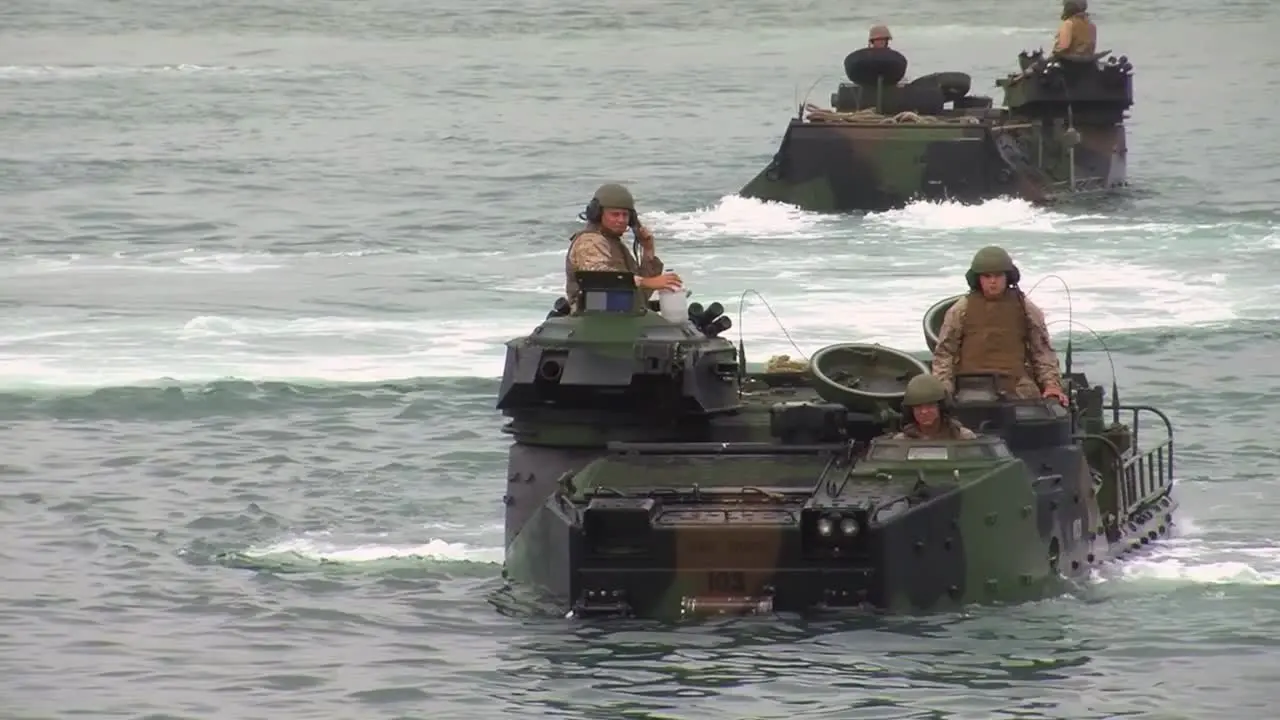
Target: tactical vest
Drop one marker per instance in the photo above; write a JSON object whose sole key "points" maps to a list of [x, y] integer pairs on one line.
{"points": [[994, 337], [620, 259], [1084, 36]]}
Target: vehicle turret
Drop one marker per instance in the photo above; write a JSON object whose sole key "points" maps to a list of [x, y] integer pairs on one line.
{"points": [[1083, 90], [613, 369], [876, 83]]}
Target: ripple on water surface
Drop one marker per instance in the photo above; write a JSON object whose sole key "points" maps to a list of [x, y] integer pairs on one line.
{"points": [[259, 263]]}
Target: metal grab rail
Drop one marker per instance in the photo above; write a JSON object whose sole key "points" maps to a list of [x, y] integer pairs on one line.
{"points": [[1135, 426], [1146, 471], [1140, 472], [1142, 475]]}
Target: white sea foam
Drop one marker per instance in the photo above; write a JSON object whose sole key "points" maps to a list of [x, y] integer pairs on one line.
{"points": [[1186, 558], [829, 279], [328, 547]]}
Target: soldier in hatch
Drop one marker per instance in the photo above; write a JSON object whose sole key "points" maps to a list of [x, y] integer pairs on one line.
{"points": [[997, 329], [598, 246], [925, 404], [1077, 35], [879, 36]]}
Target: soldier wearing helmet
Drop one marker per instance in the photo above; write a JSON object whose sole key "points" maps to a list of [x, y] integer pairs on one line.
{"points": [[1077, 35], [997, 329], [925, 403], [598, 245], [879, 36]]}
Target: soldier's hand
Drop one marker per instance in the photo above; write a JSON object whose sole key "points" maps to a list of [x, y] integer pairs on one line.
{"points": [[665, 281], [1057, 394], [645, 236]]}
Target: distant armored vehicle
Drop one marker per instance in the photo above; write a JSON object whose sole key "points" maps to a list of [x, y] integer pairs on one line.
{"points": [[651, 475], [886, 143]]}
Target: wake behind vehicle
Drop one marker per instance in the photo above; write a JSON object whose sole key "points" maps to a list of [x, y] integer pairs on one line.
{"points": [[652, 476], [886, 143]]}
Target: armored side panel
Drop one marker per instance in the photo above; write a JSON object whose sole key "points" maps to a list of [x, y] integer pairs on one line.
{"points": [[841, 166], [973, 526]]}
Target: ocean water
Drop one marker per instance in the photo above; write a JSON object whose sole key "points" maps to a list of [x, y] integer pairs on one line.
{"points": [[258, 261]]}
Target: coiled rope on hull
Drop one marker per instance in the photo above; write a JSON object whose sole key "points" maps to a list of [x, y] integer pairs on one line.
{"points": [[785, 364], [816, 114]]}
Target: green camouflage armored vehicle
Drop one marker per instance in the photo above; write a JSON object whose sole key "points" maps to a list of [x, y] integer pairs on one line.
{"points": [[651, 475], [886, 142]]}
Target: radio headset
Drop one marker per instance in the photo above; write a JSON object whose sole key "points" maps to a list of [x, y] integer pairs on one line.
{"points": [[594, 213]]}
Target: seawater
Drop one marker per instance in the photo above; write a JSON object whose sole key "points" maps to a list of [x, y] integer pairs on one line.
{"points": [[259, 260]]}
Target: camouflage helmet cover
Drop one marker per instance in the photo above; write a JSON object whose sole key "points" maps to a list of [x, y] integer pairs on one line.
{"points": [[879, 32], [924, 389], [613, 195]]}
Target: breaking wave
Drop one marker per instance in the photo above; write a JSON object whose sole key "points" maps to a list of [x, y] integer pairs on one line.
{"points": [[829, 278]]}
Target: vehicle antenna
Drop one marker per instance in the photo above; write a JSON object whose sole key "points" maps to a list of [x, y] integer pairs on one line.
{"points": [[742, 353], [800, 109]]}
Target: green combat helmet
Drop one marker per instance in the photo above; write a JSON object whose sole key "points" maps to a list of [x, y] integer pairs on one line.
{"points": [[922, 390], [992, 259], [613, 195]]}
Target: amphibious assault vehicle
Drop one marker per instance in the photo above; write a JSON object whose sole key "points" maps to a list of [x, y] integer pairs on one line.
{"points": [[651, 475], [886, 143]]}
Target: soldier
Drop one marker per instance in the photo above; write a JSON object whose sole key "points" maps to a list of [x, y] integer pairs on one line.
{"points": [[925, 398], [1077, 35], [879, 36], [997, 329], [598, 246]]}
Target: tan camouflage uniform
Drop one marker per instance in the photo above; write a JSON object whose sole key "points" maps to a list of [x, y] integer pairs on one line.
{"points": [[595, 249], [997, 336], [1077, 35], [950, 429]]}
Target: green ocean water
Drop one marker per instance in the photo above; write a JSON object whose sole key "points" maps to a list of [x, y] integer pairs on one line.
{"points": [[258, 261]]}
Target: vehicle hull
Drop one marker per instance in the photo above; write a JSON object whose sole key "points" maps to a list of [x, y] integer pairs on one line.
{"points": [[742, 542], [873, 166]]}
